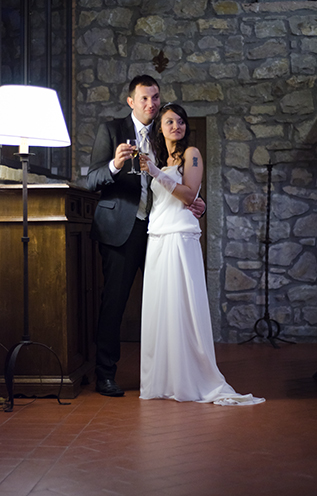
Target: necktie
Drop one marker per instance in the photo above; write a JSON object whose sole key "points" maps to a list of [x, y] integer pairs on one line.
{"points": [[145, 143], [145, 148]]}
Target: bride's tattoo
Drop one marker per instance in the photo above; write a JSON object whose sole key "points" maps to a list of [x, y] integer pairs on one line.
{"points": [[195, 162]]}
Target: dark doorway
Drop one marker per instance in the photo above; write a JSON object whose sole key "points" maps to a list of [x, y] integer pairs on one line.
{"points": [[131, 324]]}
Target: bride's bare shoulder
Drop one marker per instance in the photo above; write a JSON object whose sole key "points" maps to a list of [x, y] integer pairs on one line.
{"points": [[193, 157], [191, 151]]}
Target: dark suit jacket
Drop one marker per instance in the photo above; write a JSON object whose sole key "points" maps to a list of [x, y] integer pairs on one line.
{"points": [[120, 194]]}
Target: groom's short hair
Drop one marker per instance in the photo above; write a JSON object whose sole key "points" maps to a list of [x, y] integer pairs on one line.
{"points": [[143, 80]]}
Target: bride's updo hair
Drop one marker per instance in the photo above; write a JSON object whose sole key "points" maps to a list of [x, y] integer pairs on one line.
{"points": [[158, 140]]}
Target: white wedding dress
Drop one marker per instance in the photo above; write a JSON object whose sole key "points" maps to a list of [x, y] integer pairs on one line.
{"points": [[177, 350]]}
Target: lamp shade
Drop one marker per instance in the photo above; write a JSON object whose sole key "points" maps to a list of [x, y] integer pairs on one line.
{"points": [[31, 113]]}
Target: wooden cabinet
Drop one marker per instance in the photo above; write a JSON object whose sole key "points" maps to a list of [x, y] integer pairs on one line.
{"points": [[65, 282]]}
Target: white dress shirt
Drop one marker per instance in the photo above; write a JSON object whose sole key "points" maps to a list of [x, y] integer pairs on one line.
{"points": [[141, 214]]}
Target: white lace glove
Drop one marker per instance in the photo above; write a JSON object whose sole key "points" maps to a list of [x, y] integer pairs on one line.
{"points": [[164, 179]]}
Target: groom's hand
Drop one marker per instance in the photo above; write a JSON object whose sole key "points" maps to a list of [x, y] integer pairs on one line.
{"points": [[123, 153], [198, 208]]}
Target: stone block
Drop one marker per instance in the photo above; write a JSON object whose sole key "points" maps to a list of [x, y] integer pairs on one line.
{"points": [[239, 182], [188, 8], [272, 69], [151, 25], [306, 226], [96, 41], [117, 18], [242, 250], [98, 94], [305, 269], [303, 64], [261, 156], [243, 316], [310, 315], [237, 155], [209, 92], [284, 253], [284, 207], [269, 49], [235, 129], [272, 28], [303, 25], [239, 228]]}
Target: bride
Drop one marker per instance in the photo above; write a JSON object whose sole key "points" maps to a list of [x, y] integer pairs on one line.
{"points": [[177, 350]]}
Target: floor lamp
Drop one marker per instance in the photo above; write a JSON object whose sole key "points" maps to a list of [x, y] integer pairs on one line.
{"points": [[29, 116], [272, 326]]}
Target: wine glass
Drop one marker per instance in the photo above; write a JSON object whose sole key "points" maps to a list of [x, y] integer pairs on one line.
{"points": [[135, 151], [144, 149]]}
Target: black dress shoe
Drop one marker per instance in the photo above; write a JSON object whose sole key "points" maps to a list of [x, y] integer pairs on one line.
{"points": [[109, 387]]}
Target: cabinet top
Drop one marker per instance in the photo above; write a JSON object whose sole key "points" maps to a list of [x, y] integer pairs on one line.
{"points": [[54, 202], [43, 186]]}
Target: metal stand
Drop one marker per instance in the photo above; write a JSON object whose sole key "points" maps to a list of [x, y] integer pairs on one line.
{"points": [[272, 326], [26, 341]]}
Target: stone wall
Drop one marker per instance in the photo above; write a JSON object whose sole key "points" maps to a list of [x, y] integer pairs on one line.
{"points": [[249, 68]]}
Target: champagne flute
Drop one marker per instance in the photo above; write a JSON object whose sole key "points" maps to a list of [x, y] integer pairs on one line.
{"points": [[144, 149], [135, 151]]}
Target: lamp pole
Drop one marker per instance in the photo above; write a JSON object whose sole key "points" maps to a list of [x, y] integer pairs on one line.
{"points": [[273, 328], [26, 340]]}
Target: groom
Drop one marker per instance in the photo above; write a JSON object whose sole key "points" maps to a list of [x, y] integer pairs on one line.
{"points": [[120, 220]]}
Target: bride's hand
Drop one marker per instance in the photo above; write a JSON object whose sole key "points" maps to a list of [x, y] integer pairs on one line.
{"points": [[198, 207], [147, 165], [165, 180], [143, 159]]}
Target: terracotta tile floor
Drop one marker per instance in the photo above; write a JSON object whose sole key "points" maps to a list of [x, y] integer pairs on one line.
{"points": [[99, 446]]}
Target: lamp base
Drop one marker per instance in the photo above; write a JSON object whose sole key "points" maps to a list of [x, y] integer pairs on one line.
{"points": [[273, 330], [10, 365]]}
